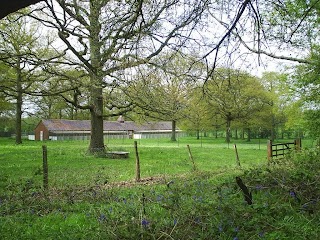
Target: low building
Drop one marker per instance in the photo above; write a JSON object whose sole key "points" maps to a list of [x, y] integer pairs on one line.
{"points": [[60, 129]]}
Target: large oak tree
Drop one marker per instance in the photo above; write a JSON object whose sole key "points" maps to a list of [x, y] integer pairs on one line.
{"points": [[107, 38]]}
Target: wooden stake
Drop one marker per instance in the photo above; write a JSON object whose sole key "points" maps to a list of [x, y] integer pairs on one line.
{"points": [[269, 150], [191, 158], [237, 155], [45, 167], [297, 144], [137, 162]]}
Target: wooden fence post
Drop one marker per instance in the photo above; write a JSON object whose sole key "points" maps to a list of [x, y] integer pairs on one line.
{"points": [[137, 162], [237, 155], [191, 158], [297, 144], [269, 149], [45, 167]]}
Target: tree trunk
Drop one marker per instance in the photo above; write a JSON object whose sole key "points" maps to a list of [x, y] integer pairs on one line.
{"points": [[249, 135], [18, 104], [198, 134], [60, 113], [228, 130], [273, 134], [96, 140], [96, 79], [49, 112], [173, 135], [18, 118]]}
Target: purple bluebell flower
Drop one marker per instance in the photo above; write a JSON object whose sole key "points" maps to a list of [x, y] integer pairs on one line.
{"points": [[159, 198], [175, 221], [292, 194], [144, 222], [102, 217]]}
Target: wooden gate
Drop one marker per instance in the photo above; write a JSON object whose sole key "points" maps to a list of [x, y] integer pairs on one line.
{"points": [[280, 149]]}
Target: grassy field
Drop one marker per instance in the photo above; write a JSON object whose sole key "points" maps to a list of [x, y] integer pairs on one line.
{"points": [[69, 163], [96, 198]]}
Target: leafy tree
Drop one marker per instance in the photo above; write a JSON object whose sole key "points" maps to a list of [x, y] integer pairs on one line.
{"points": [[19, 44], [6, 110], [198, 115], [235, 95], [280, 92], [162, 93], [107, 38], [306, 78], [61, 95], [307, 86]]}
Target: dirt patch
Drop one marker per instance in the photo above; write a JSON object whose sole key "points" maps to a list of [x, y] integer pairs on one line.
{"points": [[132, 183]]}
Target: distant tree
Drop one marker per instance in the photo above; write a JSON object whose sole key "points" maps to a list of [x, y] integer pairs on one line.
{"points": [[197, 115], [62, 94], [6, 114], [19, 45], [235, 95], [163, 93], [279, 90]]}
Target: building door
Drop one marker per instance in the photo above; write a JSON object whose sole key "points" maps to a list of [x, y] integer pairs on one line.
{"points": [[41, 135]]}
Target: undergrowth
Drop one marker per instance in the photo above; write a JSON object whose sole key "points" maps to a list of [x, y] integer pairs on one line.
{"points": [[205, 205]]}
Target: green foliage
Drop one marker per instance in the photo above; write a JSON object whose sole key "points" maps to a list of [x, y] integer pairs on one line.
{"points": [[313, 122], [237, 96], [307, 87], [282, 18], [306, 77], [162, 93]]}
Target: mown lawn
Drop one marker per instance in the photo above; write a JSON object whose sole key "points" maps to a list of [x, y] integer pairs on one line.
{"points": [[86, 201]]}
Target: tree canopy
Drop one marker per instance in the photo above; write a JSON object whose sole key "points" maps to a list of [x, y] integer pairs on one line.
{"points": [[103, 51]]}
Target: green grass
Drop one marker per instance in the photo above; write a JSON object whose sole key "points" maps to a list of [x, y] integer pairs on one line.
{"points": [[69, 162], [84, 201]]}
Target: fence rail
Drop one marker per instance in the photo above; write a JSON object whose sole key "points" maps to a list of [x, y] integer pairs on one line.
{"points": [[280, 149]]}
